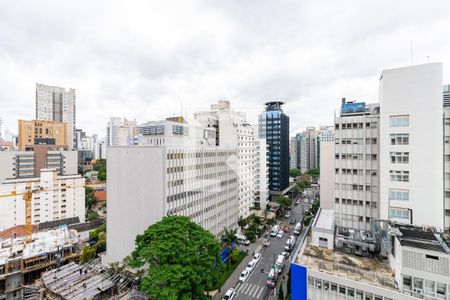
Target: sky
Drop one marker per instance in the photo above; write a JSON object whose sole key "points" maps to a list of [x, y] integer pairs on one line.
{"points": [[148, 60]]}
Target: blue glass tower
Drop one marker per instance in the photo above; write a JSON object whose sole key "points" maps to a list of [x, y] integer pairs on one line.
{"points": [[274, 127]]}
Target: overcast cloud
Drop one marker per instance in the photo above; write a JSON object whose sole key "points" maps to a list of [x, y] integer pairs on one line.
{"points": [[142, 59]]}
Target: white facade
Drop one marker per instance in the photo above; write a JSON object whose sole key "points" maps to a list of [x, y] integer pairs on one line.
{"points": [[356, 167], [199, 182], [233, 131], [121, 133], [59, 105], [327, 171], [411, 150], [293, 153], [447, 157], [261, 173], [55, 197]]}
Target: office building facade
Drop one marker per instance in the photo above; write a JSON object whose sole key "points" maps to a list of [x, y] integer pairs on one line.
{"points": [[274, 128], [195, 179]]}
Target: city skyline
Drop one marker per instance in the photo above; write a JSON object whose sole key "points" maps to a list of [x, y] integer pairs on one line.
{"points": [[146, 63]]}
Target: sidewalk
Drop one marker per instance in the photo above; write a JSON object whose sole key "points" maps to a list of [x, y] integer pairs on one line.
{"points": [[234, 277]]}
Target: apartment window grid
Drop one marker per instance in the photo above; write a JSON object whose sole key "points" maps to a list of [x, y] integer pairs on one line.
{"points": [[399, 138], [399, 213], [399, 121], [399, 157], [402, 195], [399, 176]]}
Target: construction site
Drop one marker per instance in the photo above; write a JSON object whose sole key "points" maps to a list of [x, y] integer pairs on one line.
{"points": [[24, 259]]}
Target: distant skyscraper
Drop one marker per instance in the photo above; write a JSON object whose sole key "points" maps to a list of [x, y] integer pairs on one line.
{"points": [[59, 105], [274, 127]]}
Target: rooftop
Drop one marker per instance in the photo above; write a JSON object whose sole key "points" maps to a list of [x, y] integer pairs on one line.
{"points": [[362, 269], [43, 242], [422, 238], [325, 219]]}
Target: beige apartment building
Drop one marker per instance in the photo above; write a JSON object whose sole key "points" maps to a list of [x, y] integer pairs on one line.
{"points": [[37, 132]]}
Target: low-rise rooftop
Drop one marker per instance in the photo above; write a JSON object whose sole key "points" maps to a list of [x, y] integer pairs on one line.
{"points": [[369, 270]]}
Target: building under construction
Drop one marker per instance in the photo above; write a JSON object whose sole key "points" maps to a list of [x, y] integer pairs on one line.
{"points": [[22, 261]]}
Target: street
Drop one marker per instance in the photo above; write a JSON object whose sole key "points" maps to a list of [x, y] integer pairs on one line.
{"points": [[255, 286]]}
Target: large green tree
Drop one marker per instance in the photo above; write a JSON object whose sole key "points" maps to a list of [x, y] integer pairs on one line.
{"points": [[181, 259], [294, 172]]}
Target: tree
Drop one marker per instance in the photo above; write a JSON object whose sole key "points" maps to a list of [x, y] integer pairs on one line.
{"points": [[181, 259], [88, 253], [101, 175], [284, 201], [314, 173], [100, 164], [281, 292], [229, 236], [294, 172], [257, 220]]}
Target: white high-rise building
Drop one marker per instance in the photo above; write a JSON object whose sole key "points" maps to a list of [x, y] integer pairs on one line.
{"points": [[293, 153], [261, 187], [181, 172], [447, 157], [59, 105], [309, 149], [327, 169], [55, 197], [411, 145], [356, 165], [121, 133], [233, 131]]}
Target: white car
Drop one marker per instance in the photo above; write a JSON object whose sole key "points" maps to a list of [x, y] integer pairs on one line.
{"points": [[250, 266], [244, 276], [257, 257], [280, 234], [288, 214], [230, 294]]}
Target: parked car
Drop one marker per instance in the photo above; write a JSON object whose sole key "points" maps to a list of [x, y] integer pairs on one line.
{"points": [[286, 228], [297, 201], [288, 214], [266, 242], [250, 266], [244, 275], [293, 221], [285, 254], [257, 257], [280, 234], [230, 294]]}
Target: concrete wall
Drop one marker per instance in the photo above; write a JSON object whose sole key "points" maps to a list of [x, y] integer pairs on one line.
{"points": [[415, 91], [327, 174], [132, 208]]}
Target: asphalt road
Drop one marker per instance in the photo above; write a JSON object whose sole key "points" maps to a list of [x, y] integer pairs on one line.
{"points": [[255, 286]]}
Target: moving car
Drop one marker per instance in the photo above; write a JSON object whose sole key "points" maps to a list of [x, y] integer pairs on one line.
{"points": [[288, 214], [257, 257], [230, 294], [293, 221], [244, 275], [266, 243], [286, 228], [280, 234], [290, 243]]}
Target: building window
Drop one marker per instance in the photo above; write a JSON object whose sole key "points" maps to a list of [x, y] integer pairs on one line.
{"points": [[399, 121], [399, 138], [401, 176], [399, 157], [399, 213], [402, 195]]}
